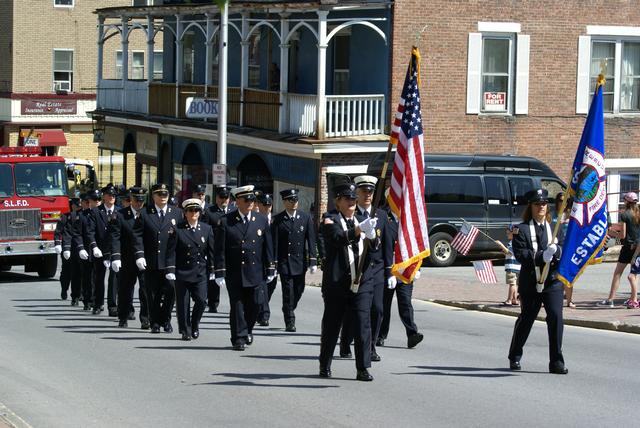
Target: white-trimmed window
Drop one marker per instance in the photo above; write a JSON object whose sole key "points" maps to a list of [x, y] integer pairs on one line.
{"points": [[254, 59], [619, 58], [63, 70], [63, 3], [158, 60], [118, 64], [137, 65], [498, 70]]}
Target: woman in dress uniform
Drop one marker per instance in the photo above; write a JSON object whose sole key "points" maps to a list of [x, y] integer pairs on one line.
{"points": [[189, 265], [533, 248]]}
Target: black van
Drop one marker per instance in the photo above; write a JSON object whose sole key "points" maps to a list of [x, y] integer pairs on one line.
{"points": [[485, 190]]}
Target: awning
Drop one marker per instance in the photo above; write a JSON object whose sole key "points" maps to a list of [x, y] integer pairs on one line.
{"points": [[42, 137]]}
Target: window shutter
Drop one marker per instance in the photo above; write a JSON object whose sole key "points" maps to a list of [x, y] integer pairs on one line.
{"points": [[522, 74], [582, 86], [474, 67]]}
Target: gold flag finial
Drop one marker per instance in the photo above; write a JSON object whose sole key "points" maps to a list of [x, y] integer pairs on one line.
{"points": [[603, 71]]}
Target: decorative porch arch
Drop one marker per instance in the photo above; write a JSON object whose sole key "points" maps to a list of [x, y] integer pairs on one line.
{"points": [[260, 24], [295, 28], [351, 23]]}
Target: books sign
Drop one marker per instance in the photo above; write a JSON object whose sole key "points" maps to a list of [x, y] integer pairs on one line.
{"points": [[201, 108]]}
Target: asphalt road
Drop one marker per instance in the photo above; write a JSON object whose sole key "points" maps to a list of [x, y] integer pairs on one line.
{"points": [[62, 367]]}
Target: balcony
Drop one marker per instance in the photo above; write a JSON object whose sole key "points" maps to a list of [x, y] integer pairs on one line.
{"points": [[346, 115]]}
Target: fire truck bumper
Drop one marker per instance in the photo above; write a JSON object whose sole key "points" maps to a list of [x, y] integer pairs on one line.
{"points": [[27, 248]]}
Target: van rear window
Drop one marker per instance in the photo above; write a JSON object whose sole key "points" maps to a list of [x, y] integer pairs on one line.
{"points": [[454, 189]]}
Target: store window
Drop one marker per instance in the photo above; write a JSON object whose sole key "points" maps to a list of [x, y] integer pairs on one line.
{"points": [[110, 167], [148, 174], [63, 70]]}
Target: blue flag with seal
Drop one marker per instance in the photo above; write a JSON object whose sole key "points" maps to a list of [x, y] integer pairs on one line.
{"points": [[586, 234]]}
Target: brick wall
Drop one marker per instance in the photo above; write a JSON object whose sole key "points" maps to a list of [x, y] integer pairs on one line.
{"points": [[6, 39], [551, 130]]}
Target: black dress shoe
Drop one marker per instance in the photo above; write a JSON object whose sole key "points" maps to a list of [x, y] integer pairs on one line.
{"points": [[325, 372], [364, 375], [195, 333], [290, 328], [264, 323], [515, 365], [113, 312], [144, 325], [85, 307], [123, 323], [414, 339], [95, 311], [380, 341], [74, 301], [558, 368], [63, 294], [167, 328], [375, 356], [213, 310], [249, 339], [238, 346], [186, 336], [345, 353], [155, 328], [132, 316]]}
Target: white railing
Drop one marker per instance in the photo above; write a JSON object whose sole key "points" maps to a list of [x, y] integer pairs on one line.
{"points": [[349, 115], [302, 114], [136, 98]]}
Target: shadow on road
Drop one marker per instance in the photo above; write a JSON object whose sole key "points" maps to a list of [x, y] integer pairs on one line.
{"points": [[8, 277], [461, 371], [282, 357], [248, 379], [187, 348]]}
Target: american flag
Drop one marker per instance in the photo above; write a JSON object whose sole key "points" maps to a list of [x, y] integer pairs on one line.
{"points": [[406, 195], [484, 272], [464, 239]]}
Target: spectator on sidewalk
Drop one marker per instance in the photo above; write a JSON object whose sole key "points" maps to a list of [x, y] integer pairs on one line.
{"points": [[511, 269], [631, 218], [632, 303]]}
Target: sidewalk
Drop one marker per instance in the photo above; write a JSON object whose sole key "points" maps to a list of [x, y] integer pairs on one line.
{"points": [[458, 286]]}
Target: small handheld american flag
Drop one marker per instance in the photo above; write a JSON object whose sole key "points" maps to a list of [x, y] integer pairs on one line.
{"points": [[464, 239], [484, 272]]}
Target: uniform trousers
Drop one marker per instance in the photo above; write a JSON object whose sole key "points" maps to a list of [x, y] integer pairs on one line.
{"points": [[160, 295], [403, 293], [265, 297], [213, 295], [126, 284], [99, 271], [112, 290], [65, 274], [243, 313], [86, 266], [377, 310], [292, 289], [530, 302], [189, 320], [339, 302], [71, 273], [142, 298]]}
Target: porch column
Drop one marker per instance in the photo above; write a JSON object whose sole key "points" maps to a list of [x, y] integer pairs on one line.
{"points": [[150, 47], [179, 62], [125, 61], [100, 48], [222, 83], [283, 124], [244, 63], [208, 72], [322, 74]]}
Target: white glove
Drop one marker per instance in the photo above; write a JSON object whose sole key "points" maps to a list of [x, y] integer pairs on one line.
{"points": [[417, 275], [221, 282], [97, 253], [58, 249], [392, 282], [66, 254], [106, 263], [141, 263], [116, 265], [368, 226], [170, 276], [212, 277], [313, 269], [270, 278], [548, 254], [83, 254]]}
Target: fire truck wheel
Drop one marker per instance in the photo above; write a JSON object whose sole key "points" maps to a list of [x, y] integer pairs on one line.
{"points": [[49, 266]]}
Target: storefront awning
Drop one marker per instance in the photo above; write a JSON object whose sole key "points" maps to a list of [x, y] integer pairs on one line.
{"points": [[42, 137]]}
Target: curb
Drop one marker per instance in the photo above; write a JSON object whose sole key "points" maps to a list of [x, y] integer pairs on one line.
{"points": [[600, 325], [10, 419]]}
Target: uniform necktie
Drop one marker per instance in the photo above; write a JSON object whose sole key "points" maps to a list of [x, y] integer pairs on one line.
{"points": [[366, 213], [108, 213], [354, 245], [541, 236], [162, 215]]}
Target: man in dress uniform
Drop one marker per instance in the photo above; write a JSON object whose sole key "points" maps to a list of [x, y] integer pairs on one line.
{"points": [[243, 261], [403, 292], [264, 203], [65, 274], [212, 216], [200, 193], [152, 229], [85, 241], [101, 250], [379, 256], [71, 272], [189, 265], [123, 259], [344, 238], [294, 242]]}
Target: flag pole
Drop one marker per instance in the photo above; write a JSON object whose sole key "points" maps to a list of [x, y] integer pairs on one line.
{"points": [[545, 272], [497, 242], [376, 200]]}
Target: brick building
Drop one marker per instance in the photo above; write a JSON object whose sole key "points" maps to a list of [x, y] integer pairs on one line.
{"points": [[48, 77], [516, 77]]}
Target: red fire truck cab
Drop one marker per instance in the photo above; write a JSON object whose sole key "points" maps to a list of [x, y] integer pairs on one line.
{"points": [[33, 196]]}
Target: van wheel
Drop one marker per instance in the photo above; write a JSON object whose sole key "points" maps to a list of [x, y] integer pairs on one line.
{"points": [[442, 253], [49, 266]]}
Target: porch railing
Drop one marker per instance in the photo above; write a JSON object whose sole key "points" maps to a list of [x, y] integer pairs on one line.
{"points": [[136, 96], [109, 96], [350, 115], [110, 92], [261, 109]]}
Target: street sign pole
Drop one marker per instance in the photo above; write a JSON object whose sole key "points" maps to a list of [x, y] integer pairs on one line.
{"points": [[222, 83]]}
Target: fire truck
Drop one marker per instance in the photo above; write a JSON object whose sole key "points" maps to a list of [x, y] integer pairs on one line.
{"points": [[33, 197]]}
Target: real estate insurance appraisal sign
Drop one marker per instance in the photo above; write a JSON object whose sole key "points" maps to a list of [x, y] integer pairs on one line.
{"points": [[48, 106]]}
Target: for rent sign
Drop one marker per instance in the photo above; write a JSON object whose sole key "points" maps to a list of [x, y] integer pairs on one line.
{"points": [[495, 101], [201, 108], [48, 106]]}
